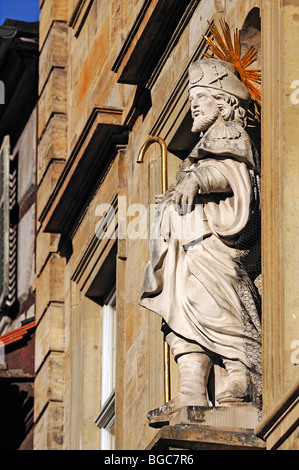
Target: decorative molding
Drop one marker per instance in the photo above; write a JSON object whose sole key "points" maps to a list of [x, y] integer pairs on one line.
{"points": [[128, 42], [98, 249], [147, 39], [283, 419], [79, 15], [184, 20], [88, 161]]}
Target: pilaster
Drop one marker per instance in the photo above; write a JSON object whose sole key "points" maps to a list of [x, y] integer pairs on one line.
{"points": [[280, 205]]}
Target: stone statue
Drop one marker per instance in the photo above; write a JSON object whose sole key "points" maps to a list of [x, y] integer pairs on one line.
{"points": [[203, 286]]}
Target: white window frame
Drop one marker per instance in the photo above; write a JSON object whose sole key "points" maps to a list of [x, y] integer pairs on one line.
{"points": [[106, 418]]}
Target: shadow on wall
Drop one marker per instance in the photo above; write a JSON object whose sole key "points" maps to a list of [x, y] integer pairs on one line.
{"points": [[251, 36], [16, 414]]}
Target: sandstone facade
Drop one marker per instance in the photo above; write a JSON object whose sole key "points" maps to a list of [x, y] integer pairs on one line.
{"points": [[110, 75]]}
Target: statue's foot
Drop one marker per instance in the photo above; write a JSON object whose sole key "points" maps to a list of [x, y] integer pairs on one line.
{"points": [[233, 395]]}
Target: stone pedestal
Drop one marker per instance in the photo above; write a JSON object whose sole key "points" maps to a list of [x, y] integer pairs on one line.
{"points": [[197, 437], [201, 428], [243, 416]]}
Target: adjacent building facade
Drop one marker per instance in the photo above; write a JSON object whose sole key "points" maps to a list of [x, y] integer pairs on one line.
{"points": [[112, 74], [18, 141]]}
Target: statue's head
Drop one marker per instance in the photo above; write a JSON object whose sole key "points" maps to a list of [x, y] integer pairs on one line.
{"points": [[216, 92]]}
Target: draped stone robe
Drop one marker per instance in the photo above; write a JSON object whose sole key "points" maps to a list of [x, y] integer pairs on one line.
{"points": [[201, 286]]}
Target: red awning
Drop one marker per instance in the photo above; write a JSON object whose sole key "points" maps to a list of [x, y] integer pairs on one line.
{"points": [[17, 334]]}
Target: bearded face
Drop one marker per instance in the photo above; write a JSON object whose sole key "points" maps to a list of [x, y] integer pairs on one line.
{"points": [[204, 109]]}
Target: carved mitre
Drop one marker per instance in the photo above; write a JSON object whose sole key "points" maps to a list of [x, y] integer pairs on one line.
{"points": [[218, 75]]}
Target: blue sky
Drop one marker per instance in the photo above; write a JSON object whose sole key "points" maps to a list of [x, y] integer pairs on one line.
{"points": [[26, 10]]}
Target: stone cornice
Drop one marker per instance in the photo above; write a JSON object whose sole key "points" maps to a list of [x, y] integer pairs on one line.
{"points": [[92, 153], [79, 15], [282, 420], [146, 41]]}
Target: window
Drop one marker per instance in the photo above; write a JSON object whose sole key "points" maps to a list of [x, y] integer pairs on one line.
{"points": [[106, 419]]}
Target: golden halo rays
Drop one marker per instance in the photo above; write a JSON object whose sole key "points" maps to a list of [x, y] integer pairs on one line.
{"points": [[229, 50]]}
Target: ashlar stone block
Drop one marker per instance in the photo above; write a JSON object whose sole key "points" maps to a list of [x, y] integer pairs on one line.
{"points": [[50, 285], [49, 333], [54, 52], [53, 99], [49, 429], [53, 144], [52, 10], [49, 382]]}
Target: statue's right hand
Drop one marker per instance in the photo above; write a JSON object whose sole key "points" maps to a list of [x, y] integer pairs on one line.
{"points": [[186, 191], [167, 197]]}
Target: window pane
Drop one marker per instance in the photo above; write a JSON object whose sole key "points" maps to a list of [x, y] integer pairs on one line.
{"points": [[108, 349]]}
